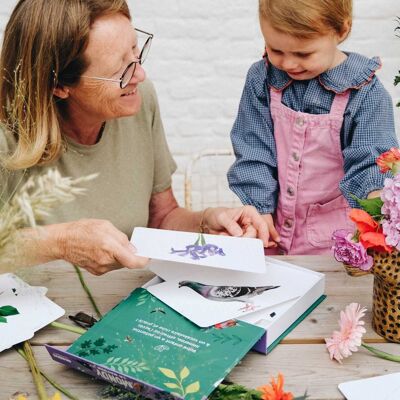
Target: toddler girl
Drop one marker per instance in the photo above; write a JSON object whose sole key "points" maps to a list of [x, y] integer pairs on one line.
{"points": [[311, 122]]}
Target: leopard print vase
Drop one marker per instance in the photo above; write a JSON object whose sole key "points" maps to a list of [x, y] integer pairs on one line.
{"points": [[386, 295]]}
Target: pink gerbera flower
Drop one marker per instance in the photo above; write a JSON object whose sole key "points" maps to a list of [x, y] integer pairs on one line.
{"points": [[348, 339]]}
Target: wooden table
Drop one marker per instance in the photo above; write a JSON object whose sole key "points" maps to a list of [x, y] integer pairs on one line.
{"points": [[301, 357]]}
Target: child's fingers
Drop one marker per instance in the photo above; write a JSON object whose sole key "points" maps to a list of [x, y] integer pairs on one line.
{"points": [[274, 235]]}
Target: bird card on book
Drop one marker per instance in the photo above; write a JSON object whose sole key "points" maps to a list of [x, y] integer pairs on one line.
{"points": [[23, 310], [209, 296], [216, 251]]}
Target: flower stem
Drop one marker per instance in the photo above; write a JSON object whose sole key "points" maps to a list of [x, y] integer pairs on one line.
{"points": [[88, 292], [381, 354], [37, 377], [50, 380], [69, 328]]}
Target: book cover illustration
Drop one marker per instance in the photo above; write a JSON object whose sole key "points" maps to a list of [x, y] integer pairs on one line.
{"points": [[166, 355]]}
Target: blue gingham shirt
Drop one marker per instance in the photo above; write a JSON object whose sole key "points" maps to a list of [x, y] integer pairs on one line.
{"points": [[367, 130]]}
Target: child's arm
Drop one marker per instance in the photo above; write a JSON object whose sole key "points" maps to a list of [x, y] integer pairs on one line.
{"points": [[253, 176], [371, 132]]}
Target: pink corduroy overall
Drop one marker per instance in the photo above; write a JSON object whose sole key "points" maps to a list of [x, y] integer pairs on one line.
{"points": [[310, 167]]}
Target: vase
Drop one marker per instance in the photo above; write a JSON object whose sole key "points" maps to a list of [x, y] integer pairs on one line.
{"points": [[386, 293]]}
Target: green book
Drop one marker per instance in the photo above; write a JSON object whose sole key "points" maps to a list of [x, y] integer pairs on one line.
{"points": [[145, 346]]}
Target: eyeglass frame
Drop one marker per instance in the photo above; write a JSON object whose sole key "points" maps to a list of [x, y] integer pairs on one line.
{"points": [[140, 61]]}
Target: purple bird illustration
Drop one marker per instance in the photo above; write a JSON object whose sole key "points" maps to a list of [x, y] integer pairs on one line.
{"points": [[226, 293]]}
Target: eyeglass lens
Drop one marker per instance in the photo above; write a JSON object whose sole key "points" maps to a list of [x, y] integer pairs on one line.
{"points": [[145, 51], [129, 72]]}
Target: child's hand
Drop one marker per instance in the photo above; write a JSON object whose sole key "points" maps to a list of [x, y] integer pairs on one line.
{"points": [[273, 234], [375, 193]]}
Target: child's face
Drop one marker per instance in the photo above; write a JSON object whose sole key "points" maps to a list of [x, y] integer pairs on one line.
{"points": [[301, 58]]}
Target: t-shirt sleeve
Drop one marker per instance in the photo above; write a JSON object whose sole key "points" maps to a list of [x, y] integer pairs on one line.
{"points": [[164, 164]]}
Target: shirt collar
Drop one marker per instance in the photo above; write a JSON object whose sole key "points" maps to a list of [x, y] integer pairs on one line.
{"points": [[353, 73]]}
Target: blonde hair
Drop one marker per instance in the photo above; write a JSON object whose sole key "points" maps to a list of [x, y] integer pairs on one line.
{"points": [[43, 48], [307, 18]]}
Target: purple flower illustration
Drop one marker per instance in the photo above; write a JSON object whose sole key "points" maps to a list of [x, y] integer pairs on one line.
{"points": [[199, 249]]}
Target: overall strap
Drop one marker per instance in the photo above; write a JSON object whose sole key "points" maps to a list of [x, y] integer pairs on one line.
{"points": [[339, 103]]}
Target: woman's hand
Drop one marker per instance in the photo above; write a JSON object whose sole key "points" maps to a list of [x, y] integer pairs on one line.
{"points": [[96, 245], [242, 221]]}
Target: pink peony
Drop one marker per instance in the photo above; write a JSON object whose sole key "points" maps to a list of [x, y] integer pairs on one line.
{"points": [[350, 252], [348, 339]]}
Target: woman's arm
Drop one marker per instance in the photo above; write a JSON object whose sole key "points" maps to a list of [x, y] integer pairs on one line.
{"points": [[165, 213], [96, 245]]}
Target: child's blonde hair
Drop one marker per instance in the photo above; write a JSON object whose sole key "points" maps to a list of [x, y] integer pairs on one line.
{"points": [[308, 18]]}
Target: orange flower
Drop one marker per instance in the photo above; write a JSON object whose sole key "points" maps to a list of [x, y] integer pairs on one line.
{"points": [[371, 235], [375, 240], [274, 391], [389, 160], [364, 222]]}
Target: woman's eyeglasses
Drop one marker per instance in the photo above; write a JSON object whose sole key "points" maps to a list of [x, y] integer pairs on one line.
{"points": [[131, 68]]}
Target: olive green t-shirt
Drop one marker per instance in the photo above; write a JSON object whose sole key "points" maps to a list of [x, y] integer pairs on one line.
{"points": [[133, 162]]}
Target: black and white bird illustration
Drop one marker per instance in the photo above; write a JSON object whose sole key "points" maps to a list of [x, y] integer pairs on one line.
{"points": [[226, 293]]}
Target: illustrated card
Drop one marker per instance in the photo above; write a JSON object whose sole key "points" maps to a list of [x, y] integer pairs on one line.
{"points": [[217, 251], [385, 387], [23, 310], [208, 296]]}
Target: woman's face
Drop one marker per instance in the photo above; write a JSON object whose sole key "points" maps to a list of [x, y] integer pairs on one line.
{"points": [[112, 46]]}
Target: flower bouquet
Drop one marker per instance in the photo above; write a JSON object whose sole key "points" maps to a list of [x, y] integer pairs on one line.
{"points": [[374, 247]]}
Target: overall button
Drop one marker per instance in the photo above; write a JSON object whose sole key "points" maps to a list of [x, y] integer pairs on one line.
{"points": [[290, 191], [288, 223], [300, 121], [295, 156]]}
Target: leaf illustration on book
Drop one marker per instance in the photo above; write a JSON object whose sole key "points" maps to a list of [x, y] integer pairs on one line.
{"points": [[178, 384], [7, 311], [99, 342], [109, 349], [86, 344], [95, 348], [126, 365], [225, 338]]}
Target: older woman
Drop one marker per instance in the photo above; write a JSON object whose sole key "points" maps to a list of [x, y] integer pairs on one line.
{"points": [[74, 96]]}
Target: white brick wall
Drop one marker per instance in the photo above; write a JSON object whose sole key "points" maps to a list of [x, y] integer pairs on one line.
{"points": [[201, 53]]}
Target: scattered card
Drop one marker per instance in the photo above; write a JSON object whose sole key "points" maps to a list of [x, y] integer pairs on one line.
{"points": [[24, 309], [217, 251], [385, 387]]}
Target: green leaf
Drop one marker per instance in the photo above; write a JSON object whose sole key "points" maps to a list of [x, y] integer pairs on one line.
{"points": [[8, 310], [184, 373], [168, 372], [171, 385], [193, 387], [2, 319], [372, 206], [99, 342], [86, 344]]}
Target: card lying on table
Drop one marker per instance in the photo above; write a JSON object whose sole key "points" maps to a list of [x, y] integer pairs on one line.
{"points": [[241, 254], [385, 387], [23, 310]]}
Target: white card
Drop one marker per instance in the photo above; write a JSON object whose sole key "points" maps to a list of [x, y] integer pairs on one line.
{"points": [[217, 251], [203, 311], [385, 387], [34, 310]]}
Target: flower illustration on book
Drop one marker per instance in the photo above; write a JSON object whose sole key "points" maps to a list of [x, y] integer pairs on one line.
{"points": [[200, 249], [7, 311]]}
